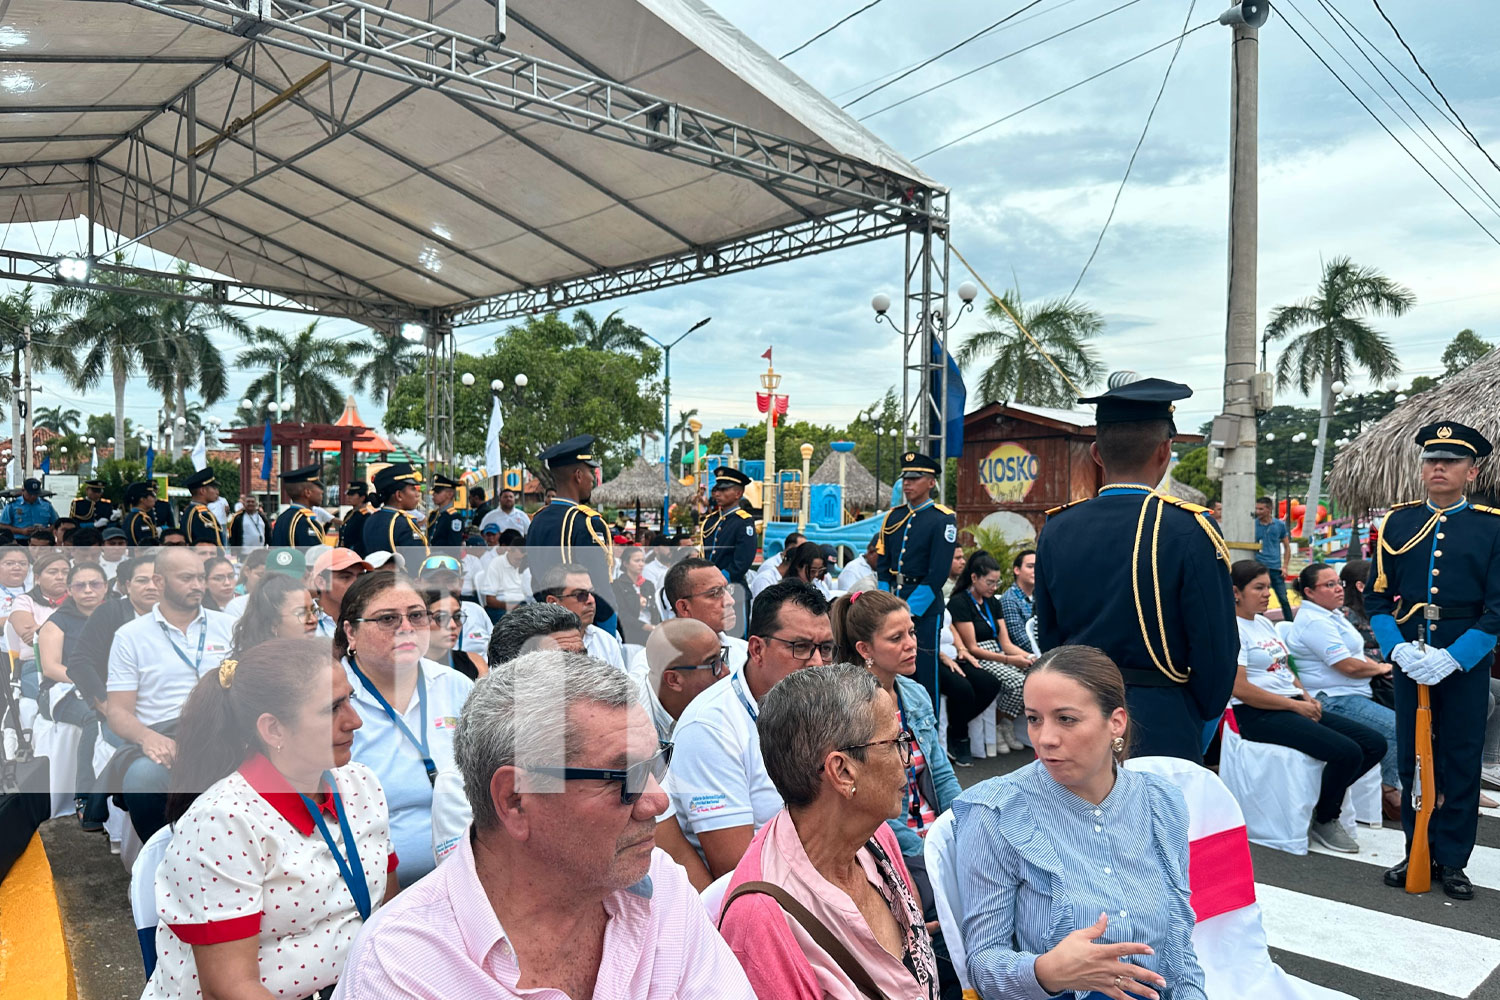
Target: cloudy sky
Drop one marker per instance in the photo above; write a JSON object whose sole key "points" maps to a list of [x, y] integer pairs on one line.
{"points": [[1029, 196]]}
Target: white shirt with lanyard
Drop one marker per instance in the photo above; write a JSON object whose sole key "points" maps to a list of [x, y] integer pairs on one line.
{"points": [[406, 750], [161, 663]]}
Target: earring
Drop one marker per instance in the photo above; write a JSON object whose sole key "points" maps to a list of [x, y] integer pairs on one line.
{"points": [[852, 790], [1118, 744], [869, 663]]}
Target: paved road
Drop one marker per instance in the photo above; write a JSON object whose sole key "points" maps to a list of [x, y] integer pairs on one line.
{"points": [[1328, 917]]}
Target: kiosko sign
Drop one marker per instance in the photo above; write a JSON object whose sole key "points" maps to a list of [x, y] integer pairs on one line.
{"points": [[1008, 473]]}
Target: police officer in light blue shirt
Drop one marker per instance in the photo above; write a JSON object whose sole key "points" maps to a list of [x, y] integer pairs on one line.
{"points": [[29, 513], [913, 558]]}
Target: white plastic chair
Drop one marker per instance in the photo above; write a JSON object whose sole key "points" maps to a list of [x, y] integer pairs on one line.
{"points": [[58, 742], [1276, 787], [938, 851], [713, 896], [983, 733], [143, 893]]}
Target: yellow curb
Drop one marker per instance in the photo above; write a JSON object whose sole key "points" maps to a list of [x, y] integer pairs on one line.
{"points": [[34, 963]]}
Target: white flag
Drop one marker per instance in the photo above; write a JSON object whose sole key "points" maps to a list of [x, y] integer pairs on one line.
{"points": [[492, 444], [200, 451], [94, 462]]}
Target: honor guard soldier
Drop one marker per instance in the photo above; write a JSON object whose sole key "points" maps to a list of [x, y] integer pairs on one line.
{"points": [[729, 531], [392, 528], [445, 528], [140, 500], [199, 524], [352, 534], [913, 556], [1434, 603], [91, 508], [567, 530], [1144, 577], [295, 524]]}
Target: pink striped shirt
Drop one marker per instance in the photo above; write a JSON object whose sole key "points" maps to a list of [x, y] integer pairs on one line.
{"points": [[440, 940]]}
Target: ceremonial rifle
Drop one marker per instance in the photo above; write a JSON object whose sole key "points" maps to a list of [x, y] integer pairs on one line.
{"points": [[1423, 796]]}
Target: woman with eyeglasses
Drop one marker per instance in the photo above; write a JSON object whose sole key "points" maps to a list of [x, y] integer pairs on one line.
{"points": [[980, 623], [410, 705], [446, 609], [475, 627], [876, 628], [827, 866], [1330, 656], [280, 608], [58, 699]]}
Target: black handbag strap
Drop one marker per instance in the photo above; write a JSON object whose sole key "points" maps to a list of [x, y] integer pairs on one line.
{"points": [[816, 929]]}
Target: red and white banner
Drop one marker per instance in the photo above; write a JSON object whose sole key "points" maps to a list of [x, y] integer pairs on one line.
{"points": [[763, 402]]}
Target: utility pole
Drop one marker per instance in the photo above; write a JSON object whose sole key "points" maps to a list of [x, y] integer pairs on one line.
{"points": [[1234, 431]]}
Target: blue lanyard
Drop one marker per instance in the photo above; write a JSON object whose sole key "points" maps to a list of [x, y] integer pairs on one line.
{"points": [[349, 866], [735, 684], [983, 607], [421, 744], [195, 667], [912, 788]]}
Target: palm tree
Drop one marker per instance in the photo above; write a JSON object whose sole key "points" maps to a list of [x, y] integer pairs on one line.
{"points": [[184, 355], [389, 358], [57, 419], [614, 334], [681, 432], [1019, 372], [18, 311], [103, 330], [1335, 339], [312, 368]]}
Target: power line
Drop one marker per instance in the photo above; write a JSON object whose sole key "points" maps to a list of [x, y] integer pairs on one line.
{"points": [[840, 21], [992, 62], [1074, 86], [1397, 32], [948, 51], [1135, 152], [1396, 139]]}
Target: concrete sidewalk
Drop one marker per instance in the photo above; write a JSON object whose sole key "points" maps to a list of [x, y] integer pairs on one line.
{"points": [[93, 891]]}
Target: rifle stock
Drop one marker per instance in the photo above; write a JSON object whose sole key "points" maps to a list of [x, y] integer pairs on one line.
{"points": [[1424, 796]]}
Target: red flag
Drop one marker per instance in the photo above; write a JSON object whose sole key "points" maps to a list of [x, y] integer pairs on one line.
{"points": [[767, 355]]}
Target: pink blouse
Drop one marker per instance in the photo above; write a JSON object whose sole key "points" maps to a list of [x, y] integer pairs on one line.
{"points": [[781, 958]]}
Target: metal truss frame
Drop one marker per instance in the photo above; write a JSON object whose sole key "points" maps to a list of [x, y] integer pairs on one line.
{"points": [[924, 420]]}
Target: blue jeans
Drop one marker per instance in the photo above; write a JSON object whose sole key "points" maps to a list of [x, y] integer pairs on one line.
{"points": [[1377, 717], [144, 791], [1278, 587]]}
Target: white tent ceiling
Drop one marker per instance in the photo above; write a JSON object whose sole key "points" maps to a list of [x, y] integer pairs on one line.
{"points": [[611, 144]]}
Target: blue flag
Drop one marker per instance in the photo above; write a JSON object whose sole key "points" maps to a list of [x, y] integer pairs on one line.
{"points": [[46, 464], [265, 458], [958, 397], [150, 460]]}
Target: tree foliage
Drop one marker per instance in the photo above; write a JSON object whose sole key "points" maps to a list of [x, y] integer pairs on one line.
{"points": [[1335, 338], [571, 390], [1463, 350], [1017, 371], [314, 371]]}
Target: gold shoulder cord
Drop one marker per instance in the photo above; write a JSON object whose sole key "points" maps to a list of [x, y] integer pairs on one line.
{"points": [[1385, 546], [1169, 669], [1213, 536]]}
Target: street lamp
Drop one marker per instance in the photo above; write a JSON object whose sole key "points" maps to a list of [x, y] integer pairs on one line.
{"points": [[467, 378], [666, 426]]}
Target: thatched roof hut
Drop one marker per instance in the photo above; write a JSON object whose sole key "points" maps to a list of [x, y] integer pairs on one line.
{"points": [[639, 482], [1381, 467], [860, 489]]}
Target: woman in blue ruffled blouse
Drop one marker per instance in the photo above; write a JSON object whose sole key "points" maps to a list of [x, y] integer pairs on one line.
{"points": [[1073, 872]]}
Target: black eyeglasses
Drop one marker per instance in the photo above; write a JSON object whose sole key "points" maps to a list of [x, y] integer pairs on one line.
{"points": [[719, 665], [712, 593], [390, 621], [581, 596], [802, 649], [904, 742], [442, 618], [632, 780]]}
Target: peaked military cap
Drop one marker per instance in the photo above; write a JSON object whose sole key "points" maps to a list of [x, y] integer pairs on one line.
{"points": [[574, 451], [395, 476], [1451, 439], [203, 477], [439, 481], [726, 476], [1144, 399], [915, 464], [94, 484], [306, 474], [136, 492], [357, 486]]}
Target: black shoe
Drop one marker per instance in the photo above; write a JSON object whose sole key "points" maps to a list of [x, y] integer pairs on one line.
{"points": [[1456, 884], [1396, 877], [961, 753]]}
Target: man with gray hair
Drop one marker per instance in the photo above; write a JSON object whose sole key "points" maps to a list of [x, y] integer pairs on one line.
{"points": [[532, 627], [562, 769]]}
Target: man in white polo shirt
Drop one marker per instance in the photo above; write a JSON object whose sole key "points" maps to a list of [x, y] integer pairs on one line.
{"points": [[695, 588], [154, 664], [571, 586], [719, 782]]}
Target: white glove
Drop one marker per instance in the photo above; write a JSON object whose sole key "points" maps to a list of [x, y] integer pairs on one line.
{"points": [[1405, 654], [1432, 668]]}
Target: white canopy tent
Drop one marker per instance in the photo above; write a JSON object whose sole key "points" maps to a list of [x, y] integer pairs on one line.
{"points": [[440, 162]]}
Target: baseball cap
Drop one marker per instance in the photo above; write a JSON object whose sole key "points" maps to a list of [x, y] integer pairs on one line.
{"points": [[337, 559]]}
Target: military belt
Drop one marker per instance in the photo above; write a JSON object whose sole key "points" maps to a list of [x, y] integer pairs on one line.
{"points": [[1433, 613]]}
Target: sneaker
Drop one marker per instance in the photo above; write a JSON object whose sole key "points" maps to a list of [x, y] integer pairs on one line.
{"points": [[1334, 837], [1002, 747], [114, 847], [1010, 738], [1489, 776]]}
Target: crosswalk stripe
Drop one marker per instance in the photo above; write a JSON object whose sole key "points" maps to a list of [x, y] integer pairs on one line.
{"points": [[1365, 939], [1384, 847]]}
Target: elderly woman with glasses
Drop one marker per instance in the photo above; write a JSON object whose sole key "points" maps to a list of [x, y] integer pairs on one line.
{"points": [[410, 706], [822, 905]]}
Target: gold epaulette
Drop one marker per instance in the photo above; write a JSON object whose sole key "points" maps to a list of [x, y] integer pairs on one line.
{"points": [[1186, 505], [1070, 503], [945, 510], [742, 512], [1407, 503], [587, 511], [1486, 510]]}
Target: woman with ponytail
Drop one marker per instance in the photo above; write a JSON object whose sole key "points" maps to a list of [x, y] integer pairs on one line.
{"points": [[280, 845]]}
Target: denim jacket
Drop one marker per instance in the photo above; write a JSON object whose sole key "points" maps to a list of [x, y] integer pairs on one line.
{"points": [[939, 786]]}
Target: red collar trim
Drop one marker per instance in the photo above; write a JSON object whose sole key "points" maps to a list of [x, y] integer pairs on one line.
{"points": [[272, 786]]}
